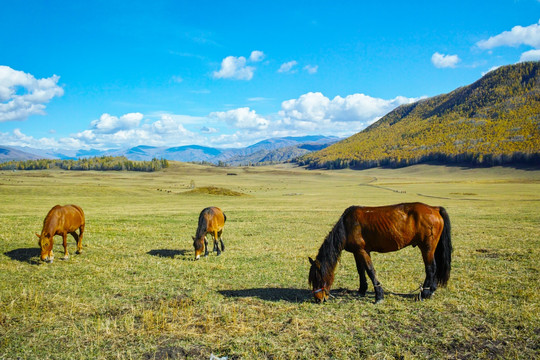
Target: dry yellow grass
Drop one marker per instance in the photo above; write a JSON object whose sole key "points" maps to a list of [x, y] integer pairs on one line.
{"points": [[136, 292]]}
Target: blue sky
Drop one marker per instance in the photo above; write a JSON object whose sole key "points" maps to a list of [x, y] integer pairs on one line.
{"points": [[116, 74]]}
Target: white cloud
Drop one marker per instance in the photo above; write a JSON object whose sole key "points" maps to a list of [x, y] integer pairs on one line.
{"points": [[256, 56], [287, 67], [311, 107], [128, 130], [519, 35], [531, 55], [233, 67], [168, 125], [311, 69], [444, 61], [109, 124], [317, 112], [22, 95], [242, 118]]}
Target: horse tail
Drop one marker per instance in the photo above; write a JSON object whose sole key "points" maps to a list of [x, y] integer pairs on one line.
{"points": [[443, 252], [224, 217]]}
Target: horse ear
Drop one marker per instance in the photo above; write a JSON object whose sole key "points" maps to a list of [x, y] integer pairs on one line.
{"points": [[193, 237], [38, 235], [311, 261]]}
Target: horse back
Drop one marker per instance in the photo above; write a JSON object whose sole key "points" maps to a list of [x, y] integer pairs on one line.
{"points": [[63, 219], [393, 227]]}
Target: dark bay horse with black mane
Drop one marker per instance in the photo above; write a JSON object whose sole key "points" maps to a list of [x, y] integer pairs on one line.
{"points": [[211, 220], [61, 220], [361, 230]]}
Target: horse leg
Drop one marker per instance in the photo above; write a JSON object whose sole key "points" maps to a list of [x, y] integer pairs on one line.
{"points": [[216, 247], [221, 240], [205, 246], [368, 265], [66, 254], [361, 273], [79, 240], [76, 237], [430, 284]]}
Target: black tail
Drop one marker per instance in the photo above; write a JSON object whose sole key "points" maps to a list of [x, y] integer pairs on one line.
{"points": [[443, 252]]}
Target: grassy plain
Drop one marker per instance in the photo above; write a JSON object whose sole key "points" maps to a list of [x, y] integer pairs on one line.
{"points": [[136, 293]]}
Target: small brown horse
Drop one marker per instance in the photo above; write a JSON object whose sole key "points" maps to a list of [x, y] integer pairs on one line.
{"points": [[361, 230], [61, 220], [211, 220]]}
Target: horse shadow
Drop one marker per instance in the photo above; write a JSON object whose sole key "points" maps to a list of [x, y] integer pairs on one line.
{"points": [[344, 294], [270, 294], [27, 255], [302, 295], [168, 253]]}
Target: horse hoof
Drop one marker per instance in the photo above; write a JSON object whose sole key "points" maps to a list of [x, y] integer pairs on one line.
{"points": [[78, 252], [64, 258], [379, 301]]}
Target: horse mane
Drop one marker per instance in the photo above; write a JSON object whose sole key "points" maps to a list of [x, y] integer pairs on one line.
{"points": [[203, 224], [330, 251], [47, 221]]}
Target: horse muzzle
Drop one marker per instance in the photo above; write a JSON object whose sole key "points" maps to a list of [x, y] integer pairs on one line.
{"points": [[320, 295]]}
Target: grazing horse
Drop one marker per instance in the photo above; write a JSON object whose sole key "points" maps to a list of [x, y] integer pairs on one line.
{"points": [[61, 220], [211, 220], [361, 230]]}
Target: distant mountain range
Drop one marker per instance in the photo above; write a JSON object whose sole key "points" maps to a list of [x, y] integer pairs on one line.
{"points": [[494, 121], [266, 151]]}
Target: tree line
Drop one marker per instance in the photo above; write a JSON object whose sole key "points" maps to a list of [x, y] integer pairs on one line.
{"points": [[102, 163]]}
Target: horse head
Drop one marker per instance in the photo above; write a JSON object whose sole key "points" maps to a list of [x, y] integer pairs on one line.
{"points": [[45, 242], [320, 288], [198, 244]]}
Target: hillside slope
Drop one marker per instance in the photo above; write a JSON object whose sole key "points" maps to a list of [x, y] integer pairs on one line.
{"points": [[8, 153], [493, 121]]}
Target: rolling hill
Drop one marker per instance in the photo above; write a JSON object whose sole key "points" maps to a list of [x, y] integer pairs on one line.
{"points": [[494, 121]]}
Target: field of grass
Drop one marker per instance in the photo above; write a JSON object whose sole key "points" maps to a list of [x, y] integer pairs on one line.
{"points": [[136, 293]]}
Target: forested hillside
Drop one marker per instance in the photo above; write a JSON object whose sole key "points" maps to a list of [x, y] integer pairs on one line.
{"points": [[493, 121]]}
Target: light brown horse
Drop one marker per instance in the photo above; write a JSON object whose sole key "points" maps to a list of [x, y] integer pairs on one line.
{"points": [[361, 230], [211, 220], [61, 220]]}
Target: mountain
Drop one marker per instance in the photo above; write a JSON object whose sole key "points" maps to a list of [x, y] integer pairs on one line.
{"points": [[275, 150], [8, 153], [270, 150], [494, 121], [58, 154], [191, 153]]}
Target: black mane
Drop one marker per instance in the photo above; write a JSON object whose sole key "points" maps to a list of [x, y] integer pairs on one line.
{"points": [[330, 251], [203, 225]]}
